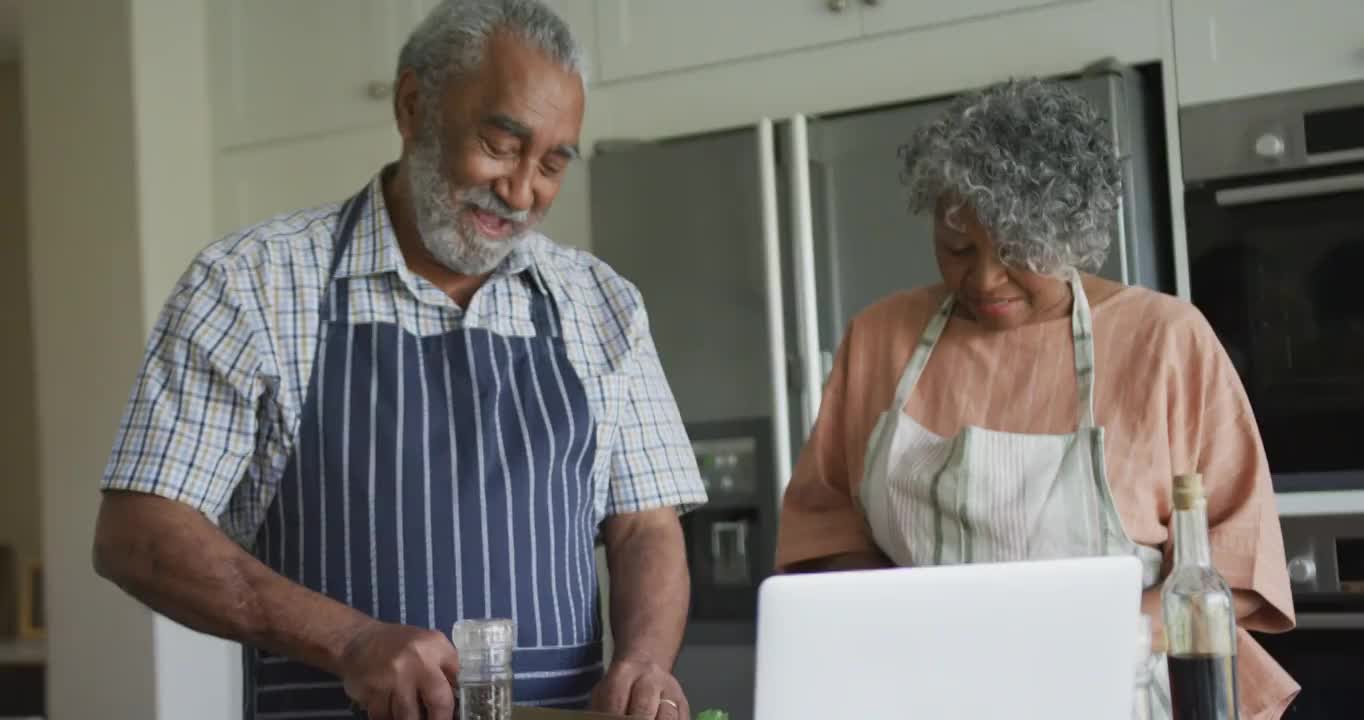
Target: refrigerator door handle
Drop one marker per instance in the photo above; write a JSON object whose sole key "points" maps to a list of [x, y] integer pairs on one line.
{"points": [[803, 242], [776, 313]]}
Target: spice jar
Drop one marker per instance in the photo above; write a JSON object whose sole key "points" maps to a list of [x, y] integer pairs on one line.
{"points": [[485, 668]]}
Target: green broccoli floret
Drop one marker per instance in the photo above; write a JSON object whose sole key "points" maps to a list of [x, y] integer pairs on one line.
{"points": [[713, 715]]}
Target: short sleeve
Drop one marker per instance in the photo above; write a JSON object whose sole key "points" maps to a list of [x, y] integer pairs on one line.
{"points": [[1215, 434], [188, 432], [820, 517], [652, 462]]}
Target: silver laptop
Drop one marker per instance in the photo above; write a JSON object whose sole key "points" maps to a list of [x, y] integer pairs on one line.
{"points": [[1053, 639]]}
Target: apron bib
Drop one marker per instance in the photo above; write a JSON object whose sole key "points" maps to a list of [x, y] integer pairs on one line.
{"points": [[991, 496], [434, 479]]}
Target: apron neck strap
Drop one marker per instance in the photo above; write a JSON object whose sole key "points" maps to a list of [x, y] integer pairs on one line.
{"points": [[351, 211], [335, 297], [922, 351], [1082, 336], [544, 310]]}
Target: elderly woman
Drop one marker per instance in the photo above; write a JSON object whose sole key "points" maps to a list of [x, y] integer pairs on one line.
{"points": [[1051, 406]]}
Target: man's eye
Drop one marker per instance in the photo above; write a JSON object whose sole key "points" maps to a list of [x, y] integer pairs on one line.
{"points": [[498, 150]]}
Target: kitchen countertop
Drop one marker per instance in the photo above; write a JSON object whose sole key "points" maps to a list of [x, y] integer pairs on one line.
{"points": [[23, 652]]}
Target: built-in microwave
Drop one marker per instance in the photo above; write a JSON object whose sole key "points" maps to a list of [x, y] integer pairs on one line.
{"points": [[1275, 210]]}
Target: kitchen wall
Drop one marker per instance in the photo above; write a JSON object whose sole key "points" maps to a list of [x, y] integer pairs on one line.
{"points": [[119, 173], [19, 526], [87, 330]]}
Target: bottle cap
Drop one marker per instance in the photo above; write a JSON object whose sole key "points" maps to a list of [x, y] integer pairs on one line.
{"points": [[1188, 490]]}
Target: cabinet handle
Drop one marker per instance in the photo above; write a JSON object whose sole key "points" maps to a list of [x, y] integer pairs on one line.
{"points": [[871, 2], [379, 90], [838, 6]]}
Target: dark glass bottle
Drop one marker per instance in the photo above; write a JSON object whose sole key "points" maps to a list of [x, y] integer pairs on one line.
{"points": [[1200, 617]]}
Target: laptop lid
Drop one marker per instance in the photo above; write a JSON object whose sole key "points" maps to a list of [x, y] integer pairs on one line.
{"points": [[1052, 639]]}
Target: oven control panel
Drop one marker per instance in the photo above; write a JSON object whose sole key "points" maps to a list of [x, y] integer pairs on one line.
{"points": [[1325, 555]]}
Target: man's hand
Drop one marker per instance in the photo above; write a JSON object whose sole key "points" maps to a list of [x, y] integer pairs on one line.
{"points": [[395, 672], [640, 689]]}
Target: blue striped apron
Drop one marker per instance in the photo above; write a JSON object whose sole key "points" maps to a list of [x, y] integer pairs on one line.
{"points": [[434, 479]]}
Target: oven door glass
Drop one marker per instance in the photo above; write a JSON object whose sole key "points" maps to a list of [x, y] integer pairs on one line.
{"points": [[1327, 661], [1276, 269]]}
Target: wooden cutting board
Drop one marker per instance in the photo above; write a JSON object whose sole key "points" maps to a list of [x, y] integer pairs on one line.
{"points": [[534, 713]]}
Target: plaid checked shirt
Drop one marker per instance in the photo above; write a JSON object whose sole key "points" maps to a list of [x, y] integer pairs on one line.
{"points": [[215, 408]]}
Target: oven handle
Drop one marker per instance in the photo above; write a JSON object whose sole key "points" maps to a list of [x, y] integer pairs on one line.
{"points": [[1290, 189], [1331, 621]]}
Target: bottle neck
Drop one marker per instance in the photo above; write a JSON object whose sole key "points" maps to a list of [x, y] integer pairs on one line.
{"points": [[1191, 537]]}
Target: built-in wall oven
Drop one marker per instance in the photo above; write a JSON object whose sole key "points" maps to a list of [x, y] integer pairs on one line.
{"points": [[1325, 652], [1275, 209]]}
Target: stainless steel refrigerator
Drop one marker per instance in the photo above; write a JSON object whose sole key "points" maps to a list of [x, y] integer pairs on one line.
{"points": [[753, 249]]}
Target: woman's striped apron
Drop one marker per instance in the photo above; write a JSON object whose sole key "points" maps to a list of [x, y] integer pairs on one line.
{"points": [[992, 496]]}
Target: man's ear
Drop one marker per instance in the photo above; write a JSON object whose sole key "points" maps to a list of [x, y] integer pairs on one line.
{"points": [[407, 110]]}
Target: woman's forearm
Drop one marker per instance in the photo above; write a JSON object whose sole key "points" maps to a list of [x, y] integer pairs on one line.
{"points": [[872, 560]]}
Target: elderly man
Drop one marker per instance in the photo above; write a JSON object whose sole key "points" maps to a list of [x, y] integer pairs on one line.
{"points": [[359, 423]]}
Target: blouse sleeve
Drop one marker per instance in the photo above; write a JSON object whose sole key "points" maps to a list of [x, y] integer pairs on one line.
{"points": [[1213, 431]]}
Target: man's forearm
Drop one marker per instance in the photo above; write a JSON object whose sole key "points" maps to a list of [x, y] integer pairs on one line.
{"points": [[174, 560], [650, 586]]}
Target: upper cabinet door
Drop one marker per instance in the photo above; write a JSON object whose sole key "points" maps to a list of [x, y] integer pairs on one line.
{"points": [[1237, 48], [304, 67], [639, 37], [891, 15]]}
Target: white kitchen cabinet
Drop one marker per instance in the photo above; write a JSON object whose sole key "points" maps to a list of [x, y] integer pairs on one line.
{"points": [[255, 183], [1238, 48], [303, 67], [880, 16], [641, 37]]}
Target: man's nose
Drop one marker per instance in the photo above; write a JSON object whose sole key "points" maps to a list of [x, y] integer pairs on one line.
{"points": [[516, 190]]}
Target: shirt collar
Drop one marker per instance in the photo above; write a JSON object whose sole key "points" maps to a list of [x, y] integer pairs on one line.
{"points": [[374, 247]]}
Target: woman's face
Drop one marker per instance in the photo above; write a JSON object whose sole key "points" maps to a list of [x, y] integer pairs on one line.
{"points": [[995, 295]]}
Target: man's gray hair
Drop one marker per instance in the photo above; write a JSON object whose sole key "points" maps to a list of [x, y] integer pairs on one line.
{"points": [[452, 39], [1035, 162]]}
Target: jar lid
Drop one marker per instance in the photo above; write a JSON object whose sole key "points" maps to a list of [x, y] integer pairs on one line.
{"points": [[474, 636]]}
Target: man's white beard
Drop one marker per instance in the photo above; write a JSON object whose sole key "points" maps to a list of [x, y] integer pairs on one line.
{"points": [[443, 215]]}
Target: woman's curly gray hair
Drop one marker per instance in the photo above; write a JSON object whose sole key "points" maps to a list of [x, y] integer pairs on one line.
{"points": [[1033, 160]]}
